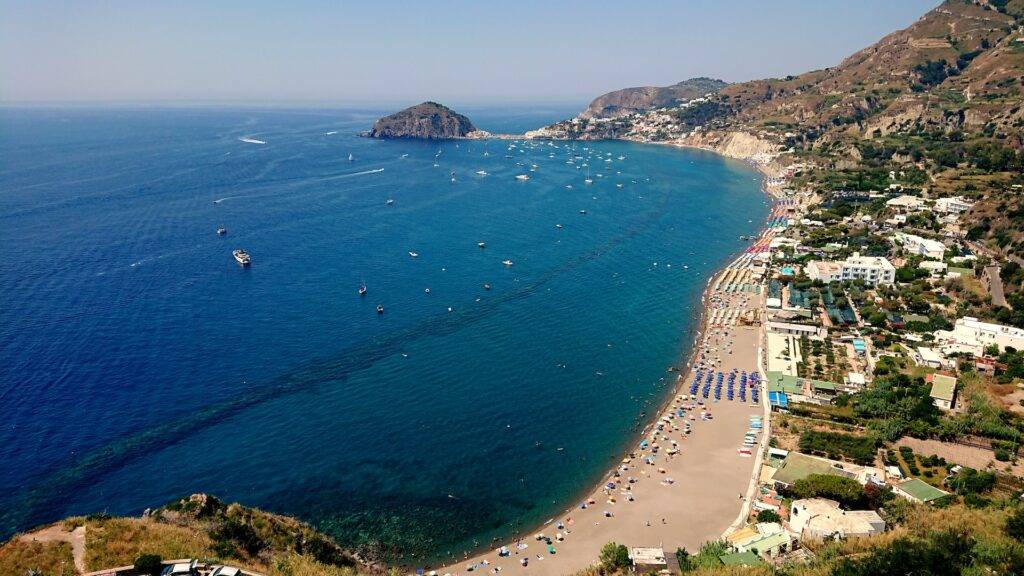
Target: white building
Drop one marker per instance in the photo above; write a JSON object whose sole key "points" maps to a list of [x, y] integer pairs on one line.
{"points": [[973, 336], [824, 271], [821, 519], [936, 269], [906, 202], [871, 269], [921, 246], [929, 357], [954, 205]]}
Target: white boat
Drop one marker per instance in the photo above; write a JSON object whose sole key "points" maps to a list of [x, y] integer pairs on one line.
{"points": [[222, 231], [390, 201], [405, 155], [362, 289], [481, 172], [248, 140], [242, 257], [414, 254], [351, 158], [507, 262], [481, 244], [558, 225], [583, 211], [522, 177]]}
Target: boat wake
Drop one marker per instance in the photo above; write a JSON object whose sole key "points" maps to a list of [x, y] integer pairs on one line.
{"points": [[248, 140], [219, 200]]}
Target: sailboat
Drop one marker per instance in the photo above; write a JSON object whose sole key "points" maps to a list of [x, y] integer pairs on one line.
{"points": [[351, 158], [587, 180]]}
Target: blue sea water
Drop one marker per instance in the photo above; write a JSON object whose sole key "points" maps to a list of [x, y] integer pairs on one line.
{"points": [[139, 363]]}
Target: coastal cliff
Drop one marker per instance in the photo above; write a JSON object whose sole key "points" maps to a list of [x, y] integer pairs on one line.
{"points": [[429, 120]]}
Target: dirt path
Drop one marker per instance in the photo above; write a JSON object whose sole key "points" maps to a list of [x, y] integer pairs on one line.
{"points": [[57, 533]]}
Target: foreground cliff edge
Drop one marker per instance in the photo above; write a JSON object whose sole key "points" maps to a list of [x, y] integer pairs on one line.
{"points": [[198, 527], [426, 121]]}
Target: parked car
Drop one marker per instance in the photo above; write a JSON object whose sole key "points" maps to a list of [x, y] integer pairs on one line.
{"points": [[181, 569], [219, 570]]}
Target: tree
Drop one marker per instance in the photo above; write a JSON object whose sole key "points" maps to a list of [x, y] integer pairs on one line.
{"points": [[614, 556], [683, 558], [768, 516], [970, 481], [150, 564]]}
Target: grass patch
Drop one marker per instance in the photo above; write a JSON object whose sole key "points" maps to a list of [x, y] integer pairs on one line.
{"points": [[17, 558], [119, 541]]}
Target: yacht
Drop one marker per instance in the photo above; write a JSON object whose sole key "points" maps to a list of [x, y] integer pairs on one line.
{"points": [[380, 308], [390, 201], [481, 173], [481, 244], [558, 225], [522, 177], [222, 231], [507, 262], [487, 286], [242, 257], [583, 211], [414, 254], [362, 289]]}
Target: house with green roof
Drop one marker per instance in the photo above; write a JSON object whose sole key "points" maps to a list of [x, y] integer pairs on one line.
{"points": [[917, 490], [943, 391], [747, 558], [798, 466], [769, 545]]}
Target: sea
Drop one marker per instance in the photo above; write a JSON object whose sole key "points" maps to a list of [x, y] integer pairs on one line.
{"points": [[140, 363]]}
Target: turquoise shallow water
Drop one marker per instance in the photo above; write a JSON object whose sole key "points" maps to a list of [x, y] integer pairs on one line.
{"points": [[140, 363]]}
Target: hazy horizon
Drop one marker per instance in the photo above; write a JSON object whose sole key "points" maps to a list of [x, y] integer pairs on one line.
{"points": [[322, 53]]}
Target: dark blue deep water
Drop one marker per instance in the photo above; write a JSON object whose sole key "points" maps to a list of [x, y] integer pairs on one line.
{"points": [[139, 363]]}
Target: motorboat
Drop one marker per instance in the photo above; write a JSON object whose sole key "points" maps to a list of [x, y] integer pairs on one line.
{"points": [[242, 257]]}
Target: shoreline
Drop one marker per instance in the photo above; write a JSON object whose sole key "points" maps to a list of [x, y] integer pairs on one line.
{"points": [[683, 367]]}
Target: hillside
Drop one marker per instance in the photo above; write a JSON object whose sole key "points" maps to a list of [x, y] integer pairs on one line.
{"points": [[945, 96], [632, 100]]}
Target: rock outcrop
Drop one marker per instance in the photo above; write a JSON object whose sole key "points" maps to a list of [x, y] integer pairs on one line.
{"points": [[428, 120]]}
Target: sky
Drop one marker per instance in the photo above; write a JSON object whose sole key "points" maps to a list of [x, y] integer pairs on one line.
{"points": [[386, 51]]}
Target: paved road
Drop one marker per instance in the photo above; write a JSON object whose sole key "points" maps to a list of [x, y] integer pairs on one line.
{"points": [[995, 286]]}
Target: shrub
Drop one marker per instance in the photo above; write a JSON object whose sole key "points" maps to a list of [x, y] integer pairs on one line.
{"points": [[847, 491], [768, 516], [1014, 527], [149, 564], [614, 556]]}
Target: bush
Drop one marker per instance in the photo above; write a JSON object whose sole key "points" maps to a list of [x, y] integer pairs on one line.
{"points": [[614, 556], [149, 564], [847, 491], [860, 449], [1014, 527], [970, 481], [768, 516]]}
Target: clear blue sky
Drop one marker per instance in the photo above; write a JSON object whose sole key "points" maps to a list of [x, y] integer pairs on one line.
{"points": [[472, 51]]}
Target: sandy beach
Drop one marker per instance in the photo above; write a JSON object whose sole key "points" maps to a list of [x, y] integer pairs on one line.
{"points": [[674, 489]]}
